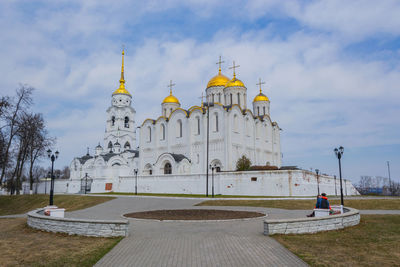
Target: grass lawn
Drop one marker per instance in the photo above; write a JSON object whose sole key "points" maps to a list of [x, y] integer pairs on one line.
{"points": [[24, 203], [24, 246], [361, 204], [374, 242]]}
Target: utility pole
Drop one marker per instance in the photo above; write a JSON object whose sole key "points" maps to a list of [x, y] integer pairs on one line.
{"points": [[390, 181]]}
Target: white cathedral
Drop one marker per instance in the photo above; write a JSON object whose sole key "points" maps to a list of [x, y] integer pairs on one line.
{"points": [[184, 141]]}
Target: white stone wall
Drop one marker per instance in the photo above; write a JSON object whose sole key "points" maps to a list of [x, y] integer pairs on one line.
{"points": [[254, 183], [84, 227], [312, 225]]}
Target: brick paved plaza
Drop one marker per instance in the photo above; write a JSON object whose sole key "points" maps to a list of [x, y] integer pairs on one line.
{"points": [[155, 243]]}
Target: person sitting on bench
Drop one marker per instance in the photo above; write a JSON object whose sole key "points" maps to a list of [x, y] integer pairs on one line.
{"points": [[317, 206]]}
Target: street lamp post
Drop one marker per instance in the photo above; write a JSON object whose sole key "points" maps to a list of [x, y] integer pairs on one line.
{"points": [[317, 172], [86, 176], [208, 105], [136, 172], [52, 157], [335, 185], [339, 153], [212, 179]]}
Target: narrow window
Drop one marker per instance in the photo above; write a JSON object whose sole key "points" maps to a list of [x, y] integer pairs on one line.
{"points": [[110, 145], [235, 123], [113, 120], [213, 98], [179, 129], [162, 132], [231, 100], [149, 130], [238, 96], [216, 122], [219, 97], [198, 125], [126, 122], [264, 110], [258, 111]]}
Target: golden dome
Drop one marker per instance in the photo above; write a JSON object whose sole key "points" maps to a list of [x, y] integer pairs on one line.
{"points": [[260, 97], [121, 89], [218, 80], [171, 99], [235, 82]]}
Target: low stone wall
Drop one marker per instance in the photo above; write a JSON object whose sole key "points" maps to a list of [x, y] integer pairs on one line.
{"points": [[313, 224], [85, 227]]}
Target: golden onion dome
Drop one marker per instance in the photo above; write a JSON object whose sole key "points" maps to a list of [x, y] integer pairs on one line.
{"points": [[171, 99], [218, 80], [235, 82], [260, 97]]}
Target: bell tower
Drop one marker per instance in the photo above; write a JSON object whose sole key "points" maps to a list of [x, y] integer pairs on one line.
{"points": [[120, 126]]}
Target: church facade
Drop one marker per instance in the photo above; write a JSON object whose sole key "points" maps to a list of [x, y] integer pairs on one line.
{"points": [[181, 141]]}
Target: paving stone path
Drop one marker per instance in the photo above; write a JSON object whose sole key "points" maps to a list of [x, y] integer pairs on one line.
{"points": [[155, 243]]}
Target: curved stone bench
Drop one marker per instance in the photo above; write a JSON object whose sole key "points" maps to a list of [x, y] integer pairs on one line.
{"points": [[313, 224], [84, 227]]}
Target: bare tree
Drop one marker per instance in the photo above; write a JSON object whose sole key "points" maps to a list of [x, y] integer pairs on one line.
{"points": [[11, 115], [38, 143]]}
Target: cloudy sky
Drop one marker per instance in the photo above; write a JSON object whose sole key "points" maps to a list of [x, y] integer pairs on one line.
{"points": [[332, 68]]}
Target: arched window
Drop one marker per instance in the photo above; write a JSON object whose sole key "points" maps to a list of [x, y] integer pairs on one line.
{"points": [[216, 122], [110, 145], [219, 97], [126, 124], [179, 129], [258, 111], [112, 120], [162, 132], [198, 125], [231, 100], [263, 110], [149, 134], [238, 96], [127, 145], [167, 168], [212, 98]]}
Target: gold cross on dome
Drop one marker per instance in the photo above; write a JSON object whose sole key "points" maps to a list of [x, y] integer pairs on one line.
{"points": [[234, 67], [219, 64], [170, 86], [260, 83]]}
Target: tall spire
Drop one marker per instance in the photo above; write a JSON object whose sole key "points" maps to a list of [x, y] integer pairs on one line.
{"points": [[121, 89], [122, 80]]}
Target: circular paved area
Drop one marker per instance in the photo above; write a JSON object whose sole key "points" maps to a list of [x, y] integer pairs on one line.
{"points": [[228, 243]]}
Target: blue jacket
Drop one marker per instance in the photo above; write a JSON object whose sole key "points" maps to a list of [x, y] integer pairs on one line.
{"points": [[318, 205]]}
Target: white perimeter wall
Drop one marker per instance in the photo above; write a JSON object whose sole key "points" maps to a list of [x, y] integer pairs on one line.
{"points": [[268, 183]]}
